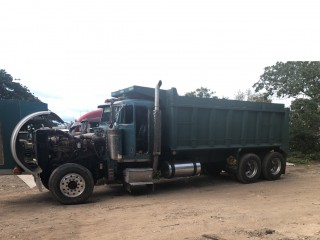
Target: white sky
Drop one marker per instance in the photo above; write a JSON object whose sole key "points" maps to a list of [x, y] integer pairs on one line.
{"points": [[72, 54]]}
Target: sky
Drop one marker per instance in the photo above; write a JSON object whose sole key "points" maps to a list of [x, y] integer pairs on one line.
{"points": [[73, 53]]}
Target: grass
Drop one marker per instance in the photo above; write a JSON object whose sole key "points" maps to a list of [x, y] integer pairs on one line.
{"points": [[303, 158]]}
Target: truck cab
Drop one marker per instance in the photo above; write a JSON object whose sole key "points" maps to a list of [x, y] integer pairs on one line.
{"points": [[134, 119]]}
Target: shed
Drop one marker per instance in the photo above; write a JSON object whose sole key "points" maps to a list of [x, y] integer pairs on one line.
{"points": [[11, 112]]}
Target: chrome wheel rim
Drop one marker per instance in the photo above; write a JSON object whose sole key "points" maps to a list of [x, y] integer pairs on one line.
{"points": [[251, 169], [72, 185], [275, 166]]}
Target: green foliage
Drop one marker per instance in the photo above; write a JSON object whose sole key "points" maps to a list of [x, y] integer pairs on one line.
{"points": [[12, 90], [299, 80], [291, 79], [252, 97], [304, 126], [300, 158], [201, 92]]}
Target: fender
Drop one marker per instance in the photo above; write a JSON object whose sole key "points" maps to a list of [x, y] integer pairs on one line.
{"points": [[38, 170]]}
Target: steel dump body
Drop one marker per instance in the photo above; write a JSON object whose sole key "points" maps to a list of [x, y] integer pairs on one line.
{"points": [[193, 123], [198, 123]]}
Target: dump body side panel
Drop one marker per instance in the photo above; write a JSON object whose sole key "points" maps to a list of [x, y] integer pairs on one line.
{"points": [[197, 123]]}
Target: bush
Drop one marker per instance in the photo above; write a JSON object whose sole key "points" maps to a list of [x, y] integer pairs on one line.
{"points": [[304, 132], [302, 158]]}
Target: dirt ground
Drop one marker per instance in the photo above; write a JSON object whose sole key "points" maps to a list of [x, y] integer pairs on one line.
{"points": [[197, 208]]}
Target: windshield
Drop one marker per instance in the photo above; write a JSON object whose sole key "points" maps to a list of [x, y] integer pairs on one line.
{"points": [[116, 111], [106, 114], [84, 125], [122, 114]]}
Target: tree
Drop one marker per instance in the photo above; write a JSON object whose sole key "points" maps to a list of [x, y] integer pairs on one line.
{"points": [[240, 96], [12, 90], [201, 92], [252, 97], [300, 80], [304, 126], [291, 79]]}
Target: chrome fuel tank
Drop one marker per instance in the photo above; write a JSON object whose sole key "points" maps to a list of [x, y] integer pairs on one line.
{"points": [[170, 170]]}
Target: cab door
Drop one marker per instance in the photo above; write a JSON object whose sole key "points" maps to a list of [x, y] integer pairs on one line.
{"points": [[126, 125], [142, 121]]}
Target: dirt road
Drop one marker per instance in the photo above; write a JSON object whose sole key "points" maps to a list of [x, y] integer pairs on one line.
{"points": [[196, 208]]}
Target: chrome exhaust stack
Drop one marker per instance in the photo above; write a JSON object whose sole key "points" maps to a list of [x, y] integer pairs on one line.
{"points": [[157, 127]]}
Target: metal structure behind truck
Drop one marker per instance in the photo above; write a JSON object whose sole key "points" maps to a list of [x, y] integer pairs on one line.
{"points": [[11, 112], [154, 133]]}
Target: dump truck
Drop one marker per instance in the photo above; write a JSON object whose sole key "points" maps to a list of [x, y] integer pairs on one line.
{"points": [[154, 134]]}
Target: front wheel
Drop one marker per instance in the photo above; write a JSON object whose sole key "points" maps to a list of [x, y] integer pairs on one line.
{"points": [[273, 166], [249, 168], [71, 184]]}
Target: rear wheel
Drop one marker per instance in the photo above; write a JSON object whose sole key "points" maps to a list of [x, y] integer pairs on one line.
{"points": [[71, 184], [273, 165], [249, 168]]}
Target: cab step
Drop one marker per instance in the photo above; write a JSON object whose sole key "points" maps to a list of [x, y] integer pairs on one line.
{"points": [[138, 177]]}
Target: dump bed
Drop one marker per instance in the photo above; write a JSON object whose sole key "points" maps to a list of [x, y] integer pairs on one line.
{"points": [[191, 123], [198, 123]]}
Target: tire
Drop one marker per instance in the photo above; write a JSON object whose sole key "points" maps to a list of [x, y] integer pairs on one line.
{"points": [[273, 165], [71, 184], [249, 168]]}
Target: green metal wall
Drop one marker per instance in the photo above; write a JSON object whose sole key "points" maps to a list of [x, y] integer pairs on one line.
{"points": [[11, 112]]}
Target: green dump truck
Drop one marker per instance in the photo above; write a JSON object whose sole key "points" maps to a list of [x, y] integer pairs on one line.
{"points": [[153, 134]]}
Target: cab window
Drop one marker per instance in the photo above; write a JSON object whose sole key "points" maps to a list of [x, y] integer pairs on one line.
{"points": [[126, 115]]}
